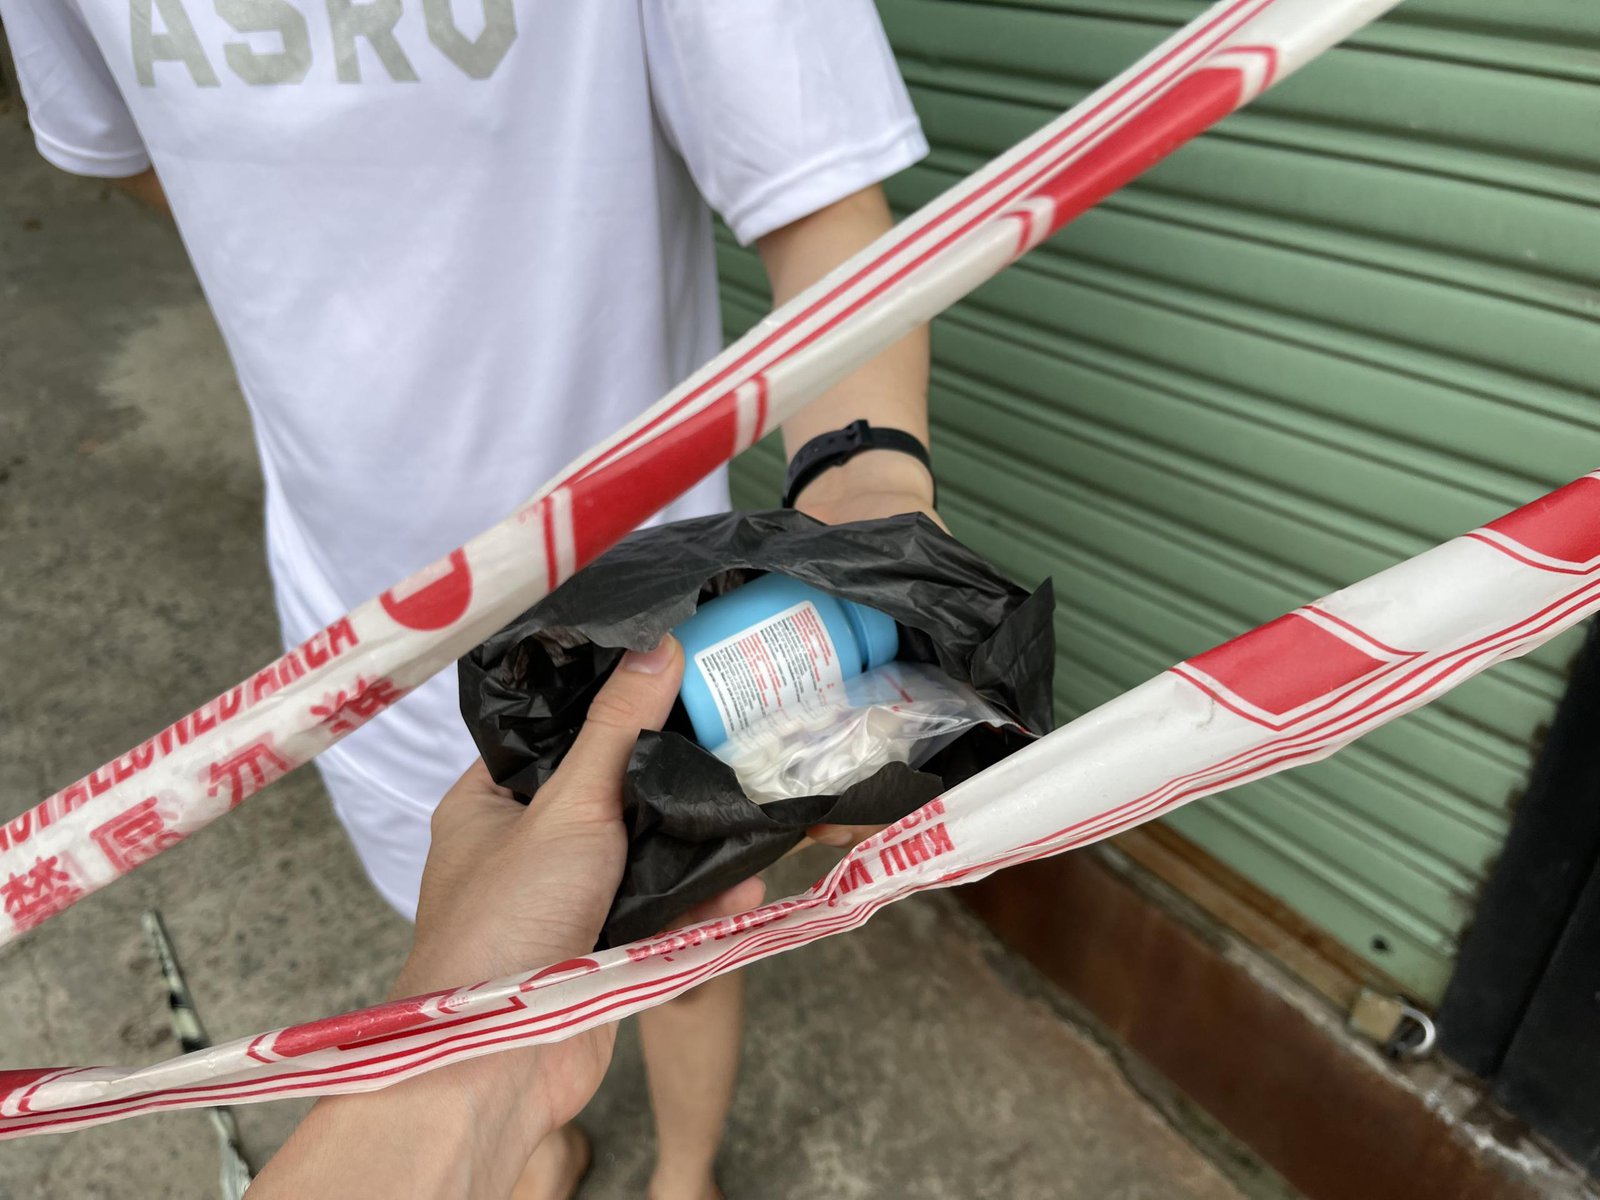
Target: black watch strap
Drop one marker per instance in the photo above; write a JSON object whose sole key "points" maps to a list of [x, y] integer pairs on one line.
{"points": [[834, 449]]}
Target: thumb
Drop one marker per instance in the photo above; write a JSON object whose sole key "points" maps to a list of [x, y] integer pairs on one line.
{"points": [[639, 695]]}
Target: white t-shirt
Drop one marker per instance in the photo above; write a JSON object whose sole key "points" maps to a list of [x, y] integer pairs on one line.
{"points": [[450, 245]]}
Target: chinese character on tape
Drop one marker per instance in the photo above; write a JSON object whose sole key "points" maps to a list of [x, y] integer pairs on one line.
{"points": [[247, 771], [343, 712], [39, 892], [136, 835]]}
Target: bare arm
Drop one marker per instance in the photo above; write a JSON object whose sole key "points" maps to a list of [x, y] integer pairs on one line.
{"points": [[891, 390]]}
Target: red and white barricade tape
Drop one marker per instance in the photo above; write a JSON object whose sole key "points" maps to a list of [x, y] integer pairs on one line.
{"points": [[1291, 692], [149, 799]]}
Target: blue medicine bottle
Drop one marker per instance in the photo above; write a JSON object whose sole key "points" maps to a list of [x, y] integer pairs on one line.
{"points": [[770, 644]]}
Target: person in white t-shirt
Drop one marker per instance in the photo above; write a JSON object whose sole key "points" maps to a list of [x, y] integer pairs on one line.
{"points": [[451, 244]]}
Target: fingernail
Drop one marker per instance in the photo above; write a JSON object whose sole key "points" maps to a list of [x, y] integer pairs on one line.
{"points": [[650, 662]]}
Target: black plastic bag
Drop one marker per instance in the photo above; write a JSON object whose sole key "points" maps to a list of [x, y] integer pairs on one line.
{"points": [[692, 833]]}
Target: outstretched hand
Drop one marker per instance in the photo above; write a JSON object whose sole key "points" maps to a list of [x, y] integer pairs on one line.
{"points": [[506, 888]]}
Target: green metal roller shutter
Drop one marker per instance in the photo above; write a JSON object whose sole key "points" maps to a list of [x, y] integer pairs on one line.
{"points": [[1356, 320]]}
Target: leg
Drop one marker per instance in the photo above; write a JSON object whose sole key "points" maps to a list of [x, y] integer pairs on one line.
{"points": [[556, 1168], [691, 1055]]}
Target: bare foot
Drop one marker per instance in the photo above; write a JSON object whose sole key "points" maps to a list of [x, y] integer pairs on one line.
{"points": [[557, 1167]]}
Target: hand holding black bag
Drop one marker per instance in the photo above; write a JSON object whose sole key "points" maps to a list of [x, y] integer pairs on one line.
{"points": [[692, 832]]}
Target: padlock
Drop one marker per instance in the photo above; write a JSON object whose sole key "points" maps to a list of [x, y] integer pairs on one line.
{"points": [[1400, 1029]]}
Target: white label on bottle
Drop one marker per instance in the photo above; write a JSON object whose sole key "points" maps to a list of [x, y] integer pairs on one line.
{"points": [[770, 666]]}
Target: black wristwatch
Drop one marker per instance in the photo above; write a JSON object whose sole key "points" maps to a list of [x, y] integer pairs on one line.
{"points": [[829, 450]]}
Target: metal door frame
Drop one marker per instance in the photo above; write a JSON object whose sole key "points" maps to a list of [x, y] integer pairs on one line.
{"points": [[1523, 1007]]}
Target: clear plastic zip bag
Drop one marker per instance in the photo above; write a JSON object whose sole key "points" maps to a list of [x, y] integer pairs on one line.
{"points": [[901, 712]]}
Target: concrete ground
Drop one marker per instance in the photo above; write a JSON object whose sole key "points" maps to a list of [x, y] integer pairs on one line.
{"points": [[911, 1059]]}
